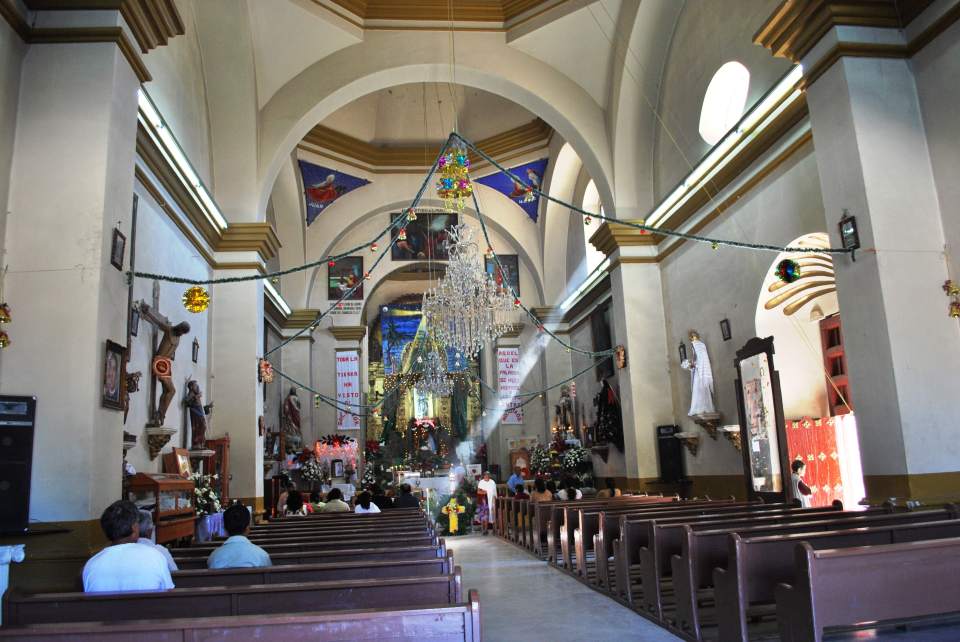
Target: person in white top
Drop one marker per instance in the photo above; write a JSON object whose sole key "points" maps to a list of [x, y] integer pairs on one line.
{"points": [[570, 491], [489, 487], [365, 504], [125, 565], [146, 538]]}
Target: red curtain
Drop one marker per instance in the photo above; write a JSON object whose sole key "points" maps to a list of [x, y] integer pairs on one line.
{"points": [[814, 441]]}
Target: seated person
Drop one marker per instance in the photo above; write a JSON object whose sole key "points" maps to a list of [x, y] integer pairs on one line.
{"points": [[238, 551], [521, 493], [570, 491], [610, 491], [285, 487], [146, 534], [316, 502], [406, 498], [335, 503], [294, 507], [516, 479], [365, 504], [540, 492], [125, 565], [380, 499], [552, 488]]}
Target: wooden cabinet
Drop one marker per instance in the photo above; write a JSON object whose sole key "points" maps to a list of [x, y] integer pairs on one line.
{"points": [[835, 365], [219, 464], [170, 497]]}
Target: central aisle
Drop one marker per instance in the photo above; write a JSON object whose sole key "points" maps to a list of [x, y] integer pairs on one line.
{"points": [[524, 599]]}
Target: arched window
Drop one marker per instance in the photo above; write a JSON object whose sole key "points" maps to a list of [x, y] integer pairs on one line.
{"points": [[591, 203], [724, 101]]}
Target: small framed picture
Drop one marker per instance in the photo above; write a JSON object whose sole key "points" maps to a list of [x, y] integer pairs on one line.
{"points": [[134, 321], [117, 248], [195, 354], [725, 329], [177, 462], [113, 376], [337, 467]]}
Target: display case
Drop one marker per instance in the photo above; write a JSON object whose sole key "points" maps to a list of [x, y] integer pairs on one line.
{"points": [[219, 464], [170, 498]]}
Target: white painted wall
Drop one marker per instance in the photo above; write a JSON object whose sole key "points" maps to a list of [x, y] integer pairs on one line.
{"points": [[12, 51]]}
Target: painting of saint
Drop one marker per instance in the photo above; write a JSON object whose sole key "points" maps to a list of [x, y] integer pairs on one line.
{"points": [[509, 275], [322, 186], [343, 277], [426, 238], [523, 195]]}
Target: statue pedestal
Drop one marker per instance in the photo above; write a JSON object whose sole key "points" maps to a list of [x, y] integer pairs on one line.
{"points": [[157, 438], [201, 456]]}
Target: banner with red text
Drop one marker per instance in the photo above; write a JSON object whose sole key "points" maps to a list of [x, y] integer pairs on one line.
{"points": [[509, 379], [348, 389]]}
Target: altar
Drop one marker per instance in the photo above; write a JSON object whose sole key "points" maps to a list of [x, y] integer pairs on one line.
{"points": [[442, 484]]}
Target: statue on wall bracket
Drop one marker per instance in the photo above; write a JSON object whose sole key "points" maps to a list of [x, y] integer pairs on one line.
{"points": [[703, 409]]}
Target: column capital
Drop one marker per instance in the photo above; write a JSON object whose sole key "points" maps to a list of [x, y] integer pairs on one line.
{"points": [[547, 314], [611, 237], [513, 332], [348, 332], [250, 237]]}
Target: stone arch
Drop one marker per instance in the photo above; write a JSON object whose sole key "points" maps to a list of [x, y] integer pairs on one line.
{"points": [[484, 61]]}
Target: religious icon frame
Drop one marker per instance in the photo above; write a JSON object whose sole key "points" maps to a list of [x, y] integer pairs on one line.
{"points": [[118, 247], [336, 468], [725, 329], [195, 350], [113, 353], [134, 320], [177, 462]]}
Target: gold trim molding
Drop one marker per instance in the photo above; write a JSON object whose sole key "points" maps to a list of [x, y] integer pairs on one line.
{"points": [[432, 10], [613, 236], [300, 319], [250, 237], [515, 330], [348, 332]]}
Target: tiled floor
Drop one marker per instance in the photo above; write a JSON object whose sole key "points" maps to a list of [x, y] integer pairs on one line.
{"points": [[526, 600]]}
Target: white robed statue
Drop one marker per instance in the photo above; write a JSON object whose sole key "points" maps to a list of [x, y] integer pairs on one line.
{"points": [[701, 378]]}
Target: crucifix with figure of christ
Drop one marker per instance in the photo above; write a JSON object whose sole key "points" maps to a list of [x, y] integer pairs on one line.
{"points": [[161, 366]]}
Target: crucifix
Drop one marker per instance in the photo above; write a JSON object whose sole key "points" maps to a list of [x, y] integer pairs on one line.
{"points": [[161, 368]]}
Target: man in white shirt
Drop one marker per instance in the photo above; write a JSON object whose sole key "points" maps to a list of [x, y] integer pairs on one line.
{"points": [[146, 538], [125, 565], [238, 551], [489, 487]]}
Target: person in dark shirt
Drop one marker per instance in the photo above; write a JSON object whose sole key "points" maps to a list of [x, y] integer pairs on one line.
{"points": [[406, 499], [380, 499], [521, 493]]}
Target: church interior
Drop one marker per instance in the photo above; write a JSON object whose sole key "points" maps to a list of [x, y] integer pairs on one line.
{"points": [[535, 319]]}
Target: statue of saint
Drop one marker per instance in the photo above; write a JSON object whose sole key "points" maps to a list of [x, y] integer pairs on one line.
{"points": [[291, 422], [162, 365], [701, 378], [198, 415]]}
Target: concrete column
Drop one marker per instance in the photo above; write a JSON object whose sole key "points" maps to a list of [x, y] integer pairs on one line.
{"points": [[873, 161], [71, 184], [237, 341], [639, 324]]}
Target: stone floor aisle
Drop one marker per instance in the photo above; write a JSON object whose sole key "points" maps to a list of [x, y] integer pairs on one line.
{"points": [[526, 600]]}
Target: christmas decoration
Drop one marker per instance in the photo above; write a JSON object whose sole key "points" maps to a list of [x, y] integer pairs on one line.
{"points": [[454, 186], [266, 371], [374, 247], [402, 234], [453, 510], [332, 264], [196, 299], [788, 270], [587, 220], [411, 215], [952, 290], [4, 339], [336, 440], [316, 401], [5, 315]]}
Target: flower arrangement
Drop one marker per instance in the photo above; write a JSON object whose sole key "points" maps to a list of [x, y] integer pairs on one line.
{"points": [[574, 458], [206, 501], [539, 460], [314, 471]]}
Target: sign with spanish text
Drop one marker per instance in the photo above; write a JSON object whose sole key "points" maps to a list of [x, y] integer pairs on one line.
{"points": [[509, 379], [348, 389]]}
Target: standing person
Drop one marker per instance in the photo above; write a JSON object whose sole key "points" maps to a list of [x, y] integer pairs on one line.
{"points": [[540, 492], [516, 479], [146, 538], [238, 551], [365, 504], [489, 489], [801, 492], [125, 565]]}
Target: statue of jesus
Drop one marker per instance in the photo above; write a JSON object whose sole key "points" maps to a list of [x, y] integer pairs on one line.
{"points": [[162, 365], [291, 422]]}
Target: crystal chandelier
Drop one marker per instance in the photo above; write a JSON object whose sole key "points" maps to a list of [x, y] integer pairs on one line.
{"points": [[467, 309], [434, 378]]}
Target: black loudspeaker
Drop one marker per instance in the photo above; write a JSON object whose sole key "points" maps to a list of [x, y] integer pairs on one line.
{"points": [[671, 455], [17, 416]]}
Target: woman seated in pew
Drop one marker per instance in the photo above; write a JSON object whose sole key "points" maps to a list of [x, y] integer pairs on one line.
{"points": [[125, 565], [380, 498], [295, 507], [540, 492], [315, 505], [238, 551], [611, 489], [335, 503], [570, 490], [365, 504]]}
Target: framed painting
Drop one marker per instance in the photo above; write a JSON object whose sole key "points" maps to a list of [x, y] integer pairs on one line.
{"points": [[111, 395], [345, 279], [177, 462], [118, 246], [195, 350], [426, 237], [509, 275], [761, 421]]}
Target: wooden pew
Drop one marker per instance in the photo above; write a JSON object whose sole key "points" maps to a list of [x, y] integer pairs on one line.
{"points": [[336, 525], [337, 520], [393, 513], [331, 555], [703, 550], [287, 574], [756, 565], [840, 587], [443, 622], [299, 536], [216, 601], [313, 543]]}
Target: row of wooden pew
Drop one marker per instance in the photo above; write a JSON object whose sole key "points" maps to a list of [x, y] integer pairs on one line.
{"points": [[734, 570], [339, 576]]}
